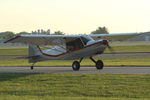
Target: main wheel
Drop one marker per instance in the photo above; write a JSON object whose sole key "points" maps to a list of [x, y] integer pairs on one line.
{"points": [[99, 64], [76, 66]]}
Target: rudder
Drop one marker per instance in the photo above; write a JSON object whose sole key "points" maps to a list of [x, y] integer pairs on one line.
{"points": [[33, 53]]}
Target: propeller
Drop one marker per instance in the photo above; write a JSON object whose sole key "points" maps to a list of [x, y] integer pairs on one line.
{"points": [[105, 42], [110, 48]]}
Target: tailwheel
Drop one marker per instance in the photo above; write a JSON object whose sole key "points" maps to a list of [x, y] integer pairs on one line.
{"points": [[32, 66], [76, 66], [99, 64]]}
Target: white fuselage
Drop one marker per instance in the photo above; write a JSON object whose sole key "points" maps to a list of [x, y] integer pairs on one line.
{"points": [[90, 49]]}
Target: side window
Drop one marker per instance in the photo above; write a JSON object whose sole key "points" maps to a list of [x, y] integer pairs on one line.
{"points": [[75, 44]]}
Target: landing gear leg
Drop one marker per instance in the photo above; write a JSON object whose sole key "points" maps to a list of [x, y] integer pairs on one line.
{"points": [[32, 66], [76, 65], [99, 64], [81, 60], [93, 60]]}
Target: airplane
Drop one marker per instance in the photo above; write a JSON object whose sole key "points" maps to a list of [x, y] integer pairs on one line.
{"points": [[68, 47]]}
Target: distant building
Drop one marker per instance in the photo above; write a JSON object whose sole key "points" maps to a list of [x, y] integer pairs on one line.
{"points": [[38, 31], [46, 32], [42, 31]]}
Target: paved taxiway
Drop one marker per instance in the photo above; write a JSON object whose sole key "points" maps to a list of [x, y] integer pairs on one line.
{"points": [[88, 70]]}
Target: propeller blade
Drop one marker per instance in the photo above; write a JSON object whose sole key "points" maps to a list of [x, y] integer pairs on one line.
{"points": [[105, 42], [110, 49]]}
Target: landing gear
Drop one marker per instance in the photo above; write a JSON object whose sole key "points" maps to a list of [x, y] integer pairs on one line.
{"points": [[32, 66], [99, 64], [76, 66]]}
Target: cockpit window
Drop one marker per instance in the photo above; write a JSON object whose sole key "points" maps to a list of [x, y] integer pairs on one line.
{"points": [[74, 44], [85, 39]]}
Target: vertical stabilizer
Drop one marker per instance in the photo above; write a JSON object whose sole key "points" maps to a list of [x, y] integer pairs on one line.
{"points": [[34, 53], [34, 50]]}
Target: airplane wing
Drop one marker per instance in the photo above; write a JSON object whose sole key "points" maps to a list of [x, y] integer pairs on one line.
{"points": [[42, 39], [59, 39], [114, 37]]}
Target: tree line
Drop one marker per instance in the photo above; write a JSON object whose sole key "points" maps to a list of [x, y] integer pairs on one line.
{"points": [[9, 34]]}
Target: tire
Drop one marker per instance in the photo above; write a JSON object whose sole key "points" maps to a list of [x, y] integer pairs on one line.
{"points": [[75, 65], [99, 64], [31, 67]]}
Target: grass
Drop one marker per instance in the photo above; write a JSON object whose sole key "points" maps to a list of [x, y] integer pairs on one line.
{"points": [[14, 51], [114, 61], [130, 48], [117, 49], [9, 97], [74, 86]]}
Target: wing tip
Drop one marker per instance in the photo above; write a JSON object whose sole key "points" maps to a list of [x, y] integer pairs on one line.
{"points": [[12, 39]]}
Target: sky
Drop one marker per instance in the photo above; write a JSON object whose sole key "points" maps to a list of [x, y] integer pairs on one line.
{"points": [[75, 16]]}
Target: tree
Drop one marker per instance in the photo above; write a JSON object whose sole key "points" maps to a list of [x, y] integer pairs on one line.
{"points": [[22, 33], [7, 35], [58, 33], [101, 30]]}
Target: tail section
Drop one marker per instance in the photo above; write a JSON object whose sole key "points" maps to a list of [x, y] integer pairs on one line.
{"points": [[34, 50], [34, 53]]}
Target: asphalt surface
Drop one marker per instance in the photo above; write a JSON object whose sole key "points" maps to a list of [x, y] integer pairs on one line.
{"points": [[87, 70]]}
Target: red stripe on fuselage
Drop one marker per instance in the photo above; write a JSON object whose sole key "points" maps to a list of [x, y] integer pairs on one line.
{"points": [[66, 52]]}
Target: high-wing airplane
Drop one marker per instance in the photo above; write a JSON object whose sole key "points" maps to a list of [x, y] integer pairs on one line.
{"points": [[68, 47]]}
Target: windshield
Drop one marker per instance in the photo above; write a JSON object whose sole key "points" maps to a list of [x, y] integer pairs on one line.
{"points": [[86, 39]]}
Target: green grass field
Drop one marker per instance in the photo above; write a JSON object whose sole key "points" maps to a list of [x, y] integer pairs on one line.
{"points": [[124, 61], [117, 49], [14, 51], [74, 86]]}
